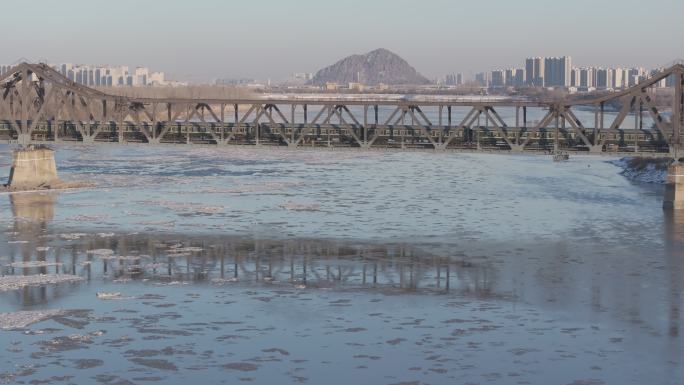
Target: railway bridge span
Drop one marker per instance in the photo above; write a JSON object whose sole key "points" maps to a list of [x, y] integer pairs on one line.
{"points": [[39, 105]]}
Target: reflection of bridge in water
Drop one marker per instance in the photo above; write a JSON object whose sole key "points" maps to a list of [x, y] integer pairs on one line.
{"points": [[228, 259], [38, 104], [237, 260]]}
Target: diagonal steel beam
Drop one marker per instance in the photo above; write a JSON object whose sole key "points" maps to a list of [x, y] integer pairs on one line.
{"points": [[469, 119], [542, 123], [627, 104], [500, 130], [576, 125], [423, 129], [655, 115]]}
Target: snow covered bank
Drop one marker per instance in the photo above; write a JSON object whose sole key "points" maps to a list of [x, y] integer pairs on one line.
{"points": [[644, 170]]}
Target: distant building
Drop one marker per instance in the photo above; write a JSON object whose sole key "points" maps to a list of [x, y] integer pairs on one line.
{"points": [[356, 87], [90, 75], [157, 79], [617, 78], [636, 75], [482, 79], [575, 77], [235, 82], [303, 76], [454, 79], [586, 78], [515, 77], [603, 78], [141, 76], [498, 79], [534, 72], [557, 71]]}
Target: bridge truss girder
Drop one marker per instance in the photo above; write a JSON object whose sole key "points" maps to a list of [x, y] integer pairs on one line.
{"points": [[38, 103]]}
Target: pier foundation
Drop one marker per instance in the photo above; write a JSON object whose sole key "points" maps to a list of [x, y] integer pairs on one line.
{"points": [[32, 168], [674, 188]]}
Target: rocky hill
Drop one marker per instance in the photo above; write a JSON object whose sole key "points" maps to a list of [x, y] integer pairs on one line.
{"points": [[373, 68]]}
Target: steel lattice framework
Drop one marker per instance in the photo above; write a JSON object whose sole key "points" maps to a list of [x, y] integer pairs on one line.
{"points": [[38, 104]]}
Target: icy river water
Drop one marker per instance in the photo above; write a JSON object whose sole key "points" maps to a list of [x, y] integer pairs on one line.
{"points": [[268, 266]]}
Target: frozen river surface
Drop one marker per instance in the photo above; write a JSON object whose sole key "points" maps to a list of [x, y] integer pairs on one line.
{"points": [[272, 266]]}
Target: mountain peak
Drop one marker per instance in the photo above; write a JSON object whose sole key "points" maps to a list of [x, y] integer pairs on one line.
{"points": [[378, 66]]}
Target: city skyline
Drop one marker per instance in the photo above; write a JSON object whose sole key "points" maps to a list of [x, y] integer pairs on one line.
{"points": [[550, 72], [223, 34]]}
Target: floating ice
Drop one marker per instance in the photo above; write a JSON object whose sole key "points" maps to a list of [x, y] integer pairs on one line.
{"points": [[23, 265], [72, 236], [22, 319], [14, 282], [106, 296], [101, 252], [289, 205]]}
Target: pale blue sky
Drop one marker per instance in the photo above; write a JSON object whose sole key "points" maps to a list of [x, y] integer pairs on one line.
{"points": [[269, 38]]}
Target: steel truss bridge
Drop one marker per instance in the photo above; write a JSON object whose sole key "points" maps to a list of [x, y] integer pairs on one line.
{"points": [[40, 105]]}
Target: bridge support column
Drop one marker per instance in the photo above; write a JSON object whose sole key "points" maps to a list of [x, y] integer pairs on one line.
{"points": [[595, 149], [32, 168], [517, 148], [88, 139], [24, 139], [674, 189]]}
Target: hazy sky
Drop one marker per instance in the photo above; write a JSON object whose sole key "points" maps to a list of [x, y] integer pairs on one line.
{"points": [[273, 38]]}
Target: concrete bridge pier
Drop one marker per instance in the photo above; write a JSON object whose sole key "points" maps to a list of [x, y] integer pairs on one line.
{"points": [[595, 149], [32, 168], [88, 139], [674, 188], [24, 139], [517, 148]]}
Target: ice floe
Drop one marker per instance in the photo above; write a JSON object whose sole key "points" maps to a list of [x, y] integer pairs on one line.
{"points": [[14, 282], [22, 319]]}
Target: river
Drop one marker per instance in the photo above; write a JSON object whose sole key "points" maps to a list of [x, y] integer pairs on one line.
{"points": [[262, 266]]}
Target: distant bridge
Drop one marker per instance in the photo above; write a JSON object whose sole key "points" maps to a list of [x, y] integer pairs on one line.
{"points": [[40, 105]]}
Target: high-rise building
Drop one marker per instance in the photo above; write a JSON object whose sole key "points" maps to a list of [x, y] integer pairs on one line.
{"points": [[534, 72], [140, 76], [519, 77], [515, 77], [575, 77], [557, 71], [636, 75], [509, 77], [586, 78], [616, 78], [482, 79], [157, 79], [604, 78], [498, 78]]}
